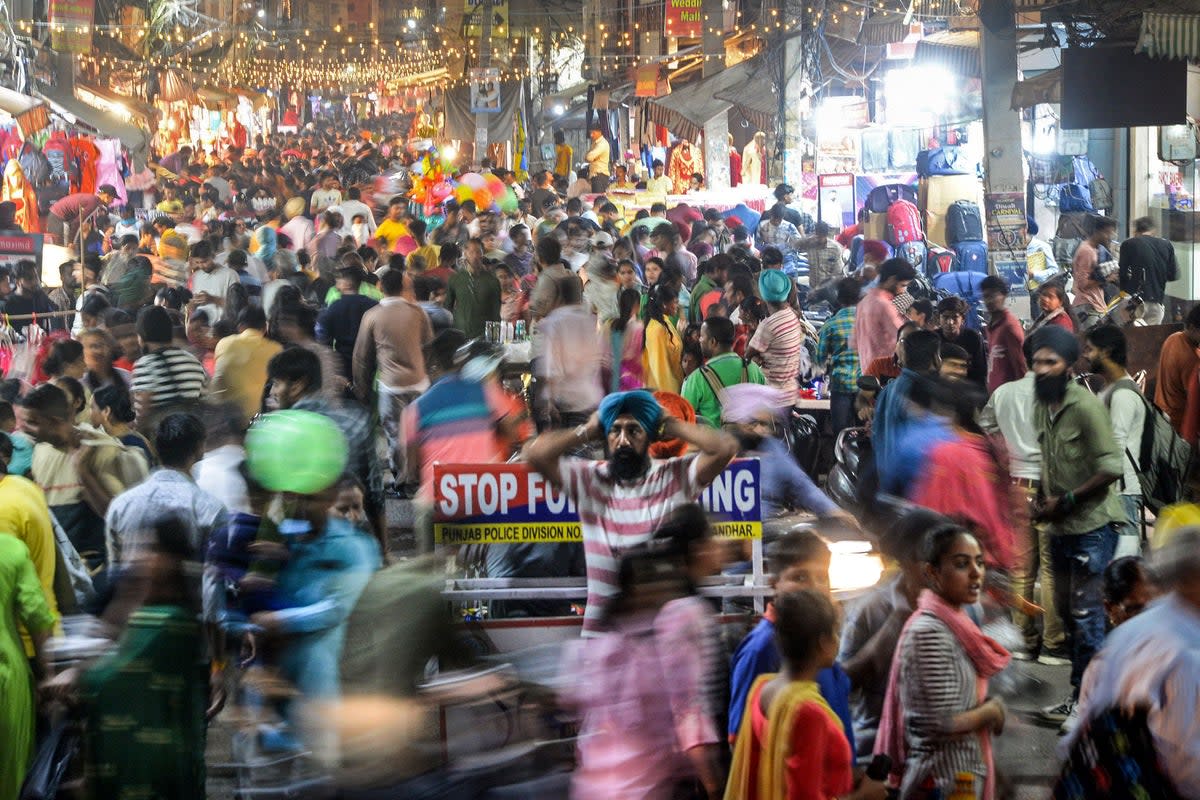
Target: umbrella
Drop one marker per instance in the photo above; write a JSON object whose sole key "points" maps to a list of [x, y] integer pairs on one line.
{"points": [[174, 87]]}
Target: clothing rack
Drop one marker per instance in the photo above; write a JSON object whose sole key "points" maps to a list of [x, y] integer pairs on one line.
{"points": [[5, 318]]}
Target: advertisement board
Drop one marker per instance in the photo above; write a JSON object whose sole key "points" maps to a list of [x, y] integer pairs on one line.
{"points": [[685, 18]]}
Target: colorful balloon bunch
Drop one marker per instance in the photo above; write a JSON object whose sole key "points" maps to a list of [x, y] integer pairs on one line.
{"points": [[433, 181], [487, 191]]}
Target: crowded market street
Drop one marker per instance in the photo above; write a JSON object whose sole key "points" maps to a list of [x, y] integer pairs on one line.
{"points": [[678, 400]]}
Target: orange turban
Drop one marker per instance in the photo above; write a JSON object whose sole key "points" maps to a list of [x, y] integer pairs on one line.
{"points": [[676, 406]]}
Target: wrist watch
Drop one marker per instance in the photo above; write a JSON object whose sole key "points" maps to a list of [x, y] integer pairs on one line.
{"points": [[581, 432]]}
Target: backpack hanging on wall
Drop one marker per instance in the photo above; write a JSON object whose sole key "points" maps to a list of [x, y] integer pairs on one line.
{"points": [[1101, 192], [971, 256]]}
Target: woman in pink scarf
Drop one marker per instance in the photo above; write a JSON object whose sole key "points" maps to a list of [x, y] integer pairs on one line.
{"points": [[937, 718]]}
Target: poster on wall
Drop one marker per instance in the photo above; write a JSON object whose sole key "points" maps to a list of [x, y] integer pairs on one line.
{"points": [[1006, 224], [685, 18], [485, 91], [836, 204], [71, 25]]}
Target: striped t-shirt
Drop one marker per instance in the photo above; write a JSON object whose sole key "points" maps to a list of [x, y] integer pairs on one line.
{"points": [[615, 516], [779, 338], [170, 375]]}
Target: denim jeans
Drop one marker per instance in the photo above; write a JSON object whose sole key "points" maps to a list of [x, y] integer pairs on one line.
{"points": [[1078, 561], [841, 411]]}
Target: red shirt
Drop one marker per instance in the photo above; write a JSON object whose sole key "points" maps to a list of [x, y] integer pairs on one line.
{"points": [[1006, 356], [819, 765]]}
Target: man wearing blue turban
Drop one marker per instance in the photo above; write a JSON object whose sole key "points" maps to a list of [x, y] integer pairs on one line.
{"points": [[623, 500]]}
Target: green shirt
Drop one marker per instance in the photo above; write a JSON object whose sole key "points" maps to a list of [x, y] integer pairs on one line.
{"points": [[474, 300], [365, 289], [1077, 443], [728, 369]]}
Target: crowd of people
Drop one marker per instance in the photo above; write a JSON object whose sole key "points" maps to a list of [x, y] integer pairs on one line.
{"points": [[670, 341]]}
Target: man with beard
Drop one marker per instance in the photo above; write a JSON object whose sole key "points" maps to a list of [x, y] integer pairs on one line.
{"points": [[623, 500], [1080, 463]]}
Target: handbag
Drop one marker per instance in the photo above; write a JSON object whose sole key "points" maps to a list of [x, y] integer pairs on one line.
{"points": [[54, 755]]}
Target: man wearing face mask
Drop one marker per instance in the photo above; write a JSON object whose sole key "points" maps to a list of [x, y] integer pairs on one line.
{"points": [[623, 500], [1080, 464]]}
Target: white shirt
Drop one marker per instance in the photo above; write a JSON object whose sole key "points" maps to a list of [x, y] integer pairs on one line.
{"points": [[350, 209], [324, 199], [1153, 660], [1127, 410], [571, 358], [217, 473], [216, 284], [1009, 411]]}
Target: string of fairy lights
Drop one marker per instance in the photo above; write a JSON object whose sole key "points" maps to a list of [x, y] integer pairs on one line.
{"points": [[353, 57]]}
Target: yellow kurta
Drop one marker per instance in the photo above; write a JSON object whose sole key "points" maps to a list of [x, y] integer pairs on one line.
{"points": [[662, 361], [25, 515]]}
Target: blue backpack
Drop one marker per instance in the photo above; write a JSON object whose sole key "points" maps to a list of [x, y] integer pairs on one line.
{"points": [[943, 161], [972, 256], [1073, 198]]}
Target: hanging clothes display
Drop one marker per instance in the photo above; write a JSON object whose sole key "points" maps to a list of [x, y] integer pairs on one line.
{"points": [[57, 151], [88, 157], [109, 168], [18, 191], [685, 160]]}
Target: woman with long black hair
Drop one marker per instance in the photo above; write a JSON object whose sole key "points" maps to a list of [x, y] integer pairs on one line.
{"points": [[662, 363]]}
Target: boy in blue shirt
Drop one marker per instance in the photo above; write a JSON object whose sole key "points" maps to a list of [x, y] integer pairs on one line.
{"points": [[798, 561]]}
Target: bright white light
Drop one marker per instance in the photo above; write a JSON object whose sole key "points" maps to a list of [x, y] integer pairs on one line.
{"points": [[913, 93], [412, 24], [450, 152], [558, 109], [854, 571], [373, 96], [262, 12]]}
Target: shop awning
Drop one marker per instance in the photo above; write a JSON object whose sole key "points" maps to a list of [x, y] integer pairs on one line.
{"points": [[66, 104], [956, 51], [258, 100], [1044, 88], [1175, 36], [687, 108], [214, 97], [29, 113]]}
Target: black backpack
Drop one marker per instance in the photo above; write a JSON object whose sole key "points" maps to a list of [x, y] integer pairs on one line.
{"points": [[964, 223], [1165, 457]]}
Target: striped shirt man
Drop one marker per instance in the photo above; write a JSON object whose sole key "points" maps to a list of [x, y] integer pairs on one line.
{"points": [[780, 339], [169, 375], [615, 516]]}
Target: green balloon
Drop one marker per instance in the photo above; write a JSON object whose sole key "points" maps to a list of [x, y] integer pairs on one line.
{"points": [[508, 203], [296, 451]]}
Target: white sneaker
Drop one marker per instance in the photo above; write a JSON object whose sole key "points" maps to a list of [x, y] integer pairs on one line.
{"points": [[1053, 661], [1057, 714], [1071, 722]]}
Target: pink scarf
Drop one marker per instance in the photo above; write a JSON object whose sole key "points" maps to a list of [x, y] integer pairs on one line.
{"points": [[987, 657]]}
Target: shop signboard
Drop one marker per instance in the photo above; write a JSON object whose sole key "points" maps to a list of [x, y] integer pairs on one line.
{"points": [[510, 504], [836, 203], [16, 247], [485, 91], [685, 19], [71, 25], [474, 19]]}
